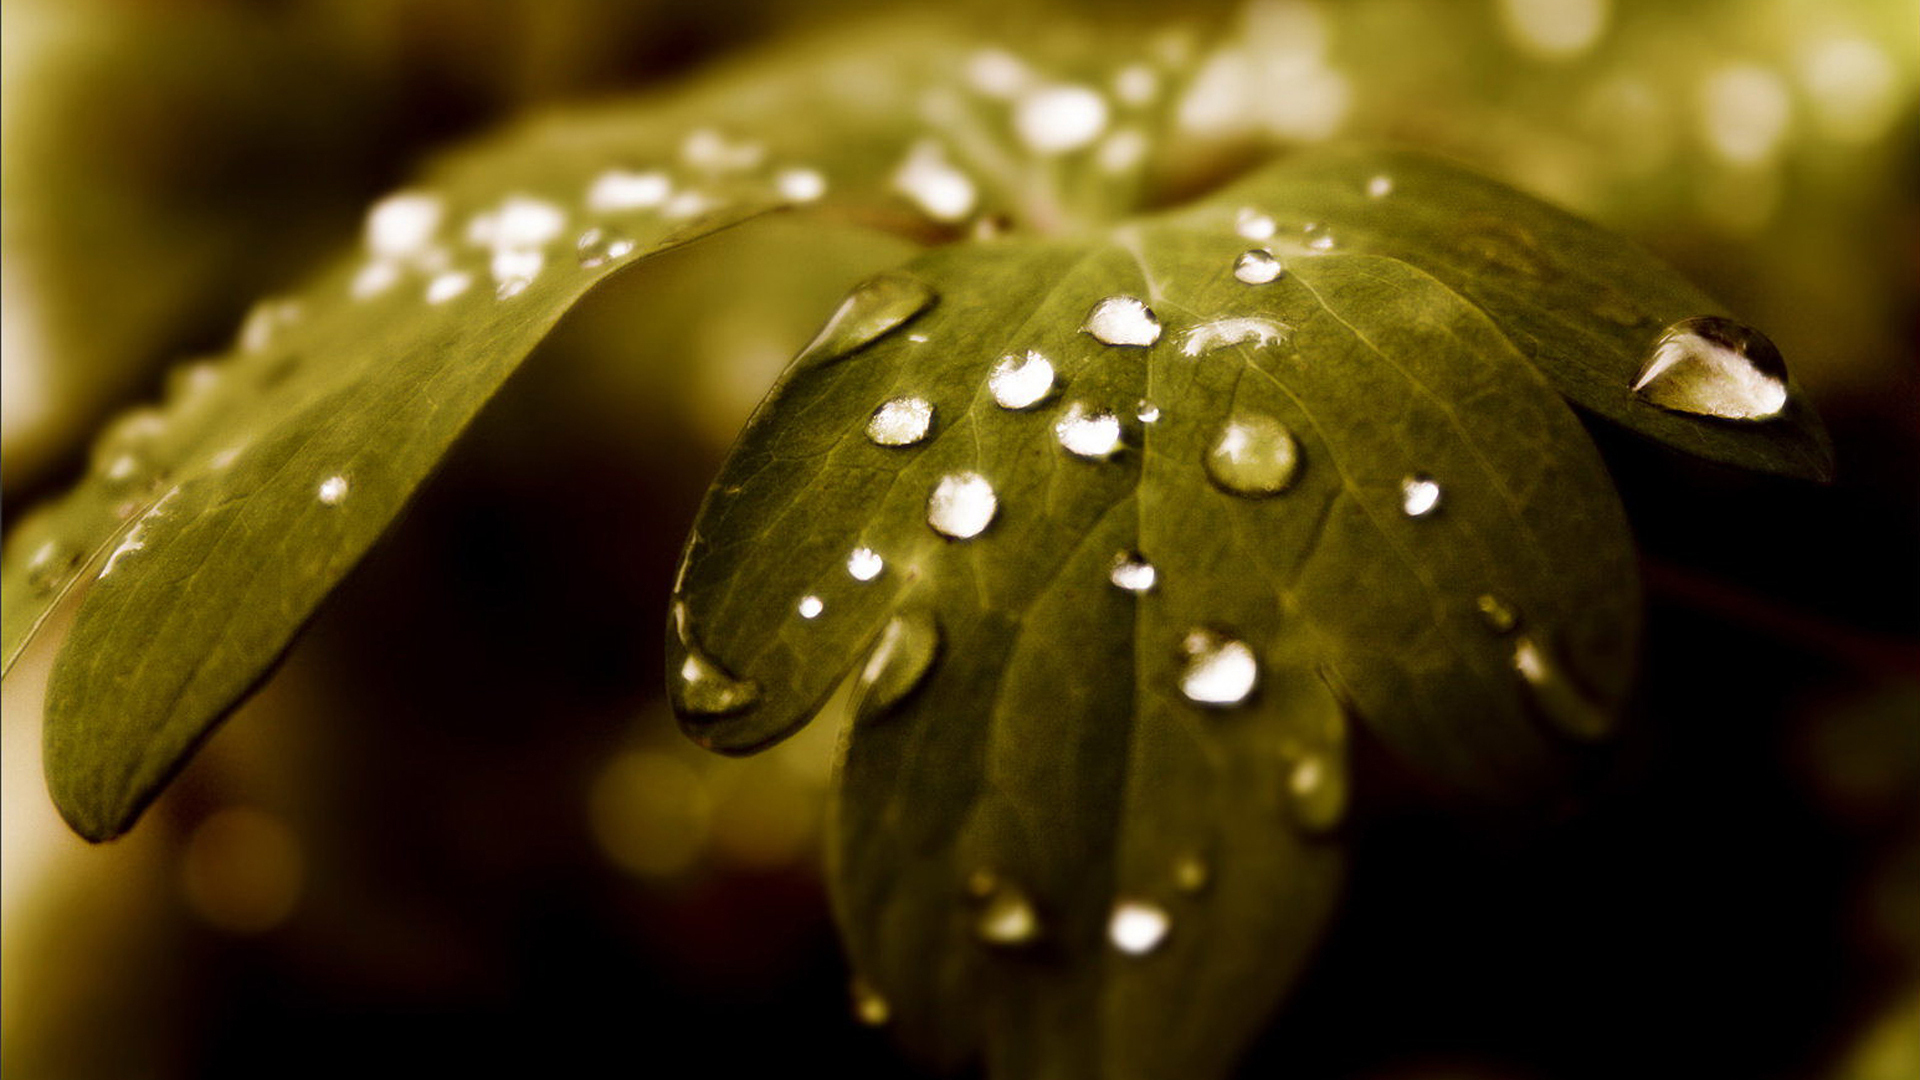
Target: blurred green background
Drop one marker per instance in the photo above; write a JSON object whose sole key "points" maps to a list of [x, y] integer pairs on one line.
{"points": [[459, 829]]}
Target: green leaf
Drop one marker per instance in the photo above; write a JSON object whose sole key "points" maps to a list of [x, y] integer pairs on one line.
{"points": [[1442, 557], [209, 528]]}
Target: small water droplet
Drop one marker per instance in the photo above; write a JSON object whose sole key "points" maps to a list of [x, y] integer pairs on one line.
{"points": [[900, 421], [961, 505], [1255, 456], [1317, 791], [1251, 224], [1496, 614], [1087, 432], [1008, 918], [373, 279], [1021, 383], [800, 185], [1220, 670], [711, 150], [1191, 873], [1710, 366], [445, 287], [1419, 496], [403, 224], [1137, 927], [699, 685], [1132, 572], [600, 245], [1257, 267], [899, 662], [1206, 337], [1317, 236], [1146, 412], [333, 490], [869, 1007], [1379, 187], [1122, 320], [930, 182], [865, 564], [516, 266], [1555, 697], [618, 190], [875, 307], [520, 222], [810, 607], [1060, 119]]}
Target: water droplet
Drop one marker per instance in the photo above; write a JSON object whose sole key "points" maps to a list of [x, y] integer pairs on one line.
{"points": [[869, 1007], [699, 685], [1496, 614], [1257, 267], [1379, 187], [898, 664], [865, 564], [710, 150], [930, 182], [1008, 918], [1317, 236], [1122, 320], [445, 287], [514, 269], [1251, 224], [1060, 119], [687, 204], [1254, 456], [875, 307], [600, 245], [1021, 383], [1132, 572], [520, 221], [333, 490], [1088, 433], [1220, 670], [1146, 411], [961, 506], [51, 564], [373, 279], [800, 185], [1317, 792], [1554, 695], [135, 538], [1137, 927], [403, 224], [1419, 496], [124, 451], [810, 607], [900, 421], [1206, 337], [265, 321], [618, 190], [1710, 366]]}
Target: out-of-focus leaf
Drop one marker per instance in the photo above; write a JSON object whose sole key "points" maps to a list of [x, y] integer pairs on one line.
{"points": [[1044, 764]]}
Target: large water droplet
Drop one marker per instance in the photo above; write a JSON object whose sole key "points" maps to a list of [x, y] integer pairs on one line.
{"points": [[1317, 791], [1419, 496], [333, 490], [1206, 337], [1132, 572], [1255, 456], [900, 421], [1087, 432], [1220, 670], [899, 662], [1710, 366], [1496, 614], [1137, 927], [865, 564], [698, 684], [1021, 383], [869, 1006], [1122, 320], [1555, 697], [1008, 918], [601, 245], [1257, 267], [874, 308], [961, 505], [1060, 119]]}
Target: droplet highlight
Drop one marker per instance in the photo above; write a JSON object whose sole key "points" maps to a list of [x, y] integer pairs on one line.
{"points": [[1007, 919], [865, 564], [699, 685], [810, 607], [333, 490], [1220, 670], [1122, 320], [1257, 267], [1710, 366], [1138, 927], [1021, 382], [1214, 335], [601, 245], [900, 421], [1087, 432], [1132, 572], [962, 505], [1419, 496]]}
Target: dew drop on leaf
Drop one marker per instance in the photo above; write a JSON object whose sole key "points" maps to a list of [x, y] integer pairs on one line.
{"points": [[1554, 696], [620, 190], [900, 660], [1251, 224], [333, 490], [1220, 670], [810, 607], [865, 564], [601, 245], [1317, 792], [51, 564], [1122, 320], [1317, 237], [1060, 119], [1132, 572], [900, 421], [1217, 334], [875, 307], [1496, 614], [1419, 496], [1021, 382], [1257, 267], [1147, 412], [800, 185], [961, 505], [445, 287], [1007, 919], [699, 685], [1137, 927], [1710, 366], [1255, 456], [403, 224], [934, 185], [1379, 187], [1087, 432]]}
